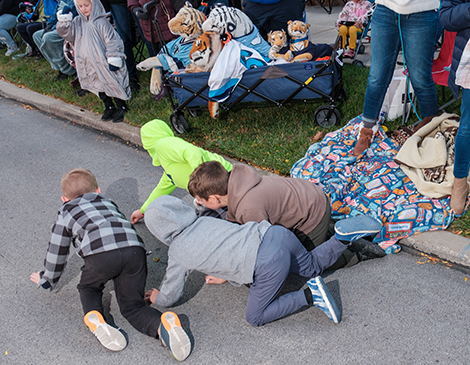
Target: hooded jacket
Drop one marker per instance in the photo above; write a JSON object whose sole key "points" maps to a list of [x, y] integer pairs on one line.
{"points": [[455, 17], [177, 157], [296, 204], [210, 245], [95, 41]]}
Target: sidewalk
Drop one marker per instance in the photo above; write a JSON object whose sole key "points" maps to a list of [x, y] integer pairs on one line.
{"points": [[442, 244]]}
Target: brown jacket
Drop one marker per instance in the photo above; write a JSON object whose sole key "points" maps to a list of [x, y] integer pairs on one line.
{"points": [[296, 204]]}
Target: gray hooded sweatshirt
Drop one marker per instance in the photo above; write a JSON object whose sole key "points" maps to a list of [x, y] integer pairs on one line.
{"points": [[94, 41], [210, 245]]}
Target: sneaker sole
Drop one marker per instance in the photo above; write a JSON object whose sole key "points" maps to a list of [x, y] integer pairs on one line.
{"points": [[108, 336], [330, 302], [174, 337], [345, 228]]}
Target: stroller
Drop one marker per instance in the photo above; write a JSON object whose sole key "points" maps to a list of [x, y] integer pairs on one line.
{"points": [[273, 85]]}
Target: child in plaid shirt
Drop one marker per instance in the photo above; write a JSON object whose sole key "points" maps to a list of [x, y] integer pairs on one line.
{"points": [[111, 249]]}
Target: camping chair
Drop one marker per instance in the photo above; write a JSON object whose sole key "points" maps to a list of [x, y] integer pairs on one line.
{"points": [[325, 4], [440, 73]]}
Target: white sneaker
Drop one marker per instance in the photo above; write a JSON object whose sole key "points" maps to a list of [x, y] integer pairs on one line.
{"points": [[11, 50], [110, 337]]}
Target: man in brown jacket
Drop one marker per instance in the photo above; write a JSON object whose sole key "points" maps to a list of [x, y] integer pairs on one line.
{"points": [[295, 204]]}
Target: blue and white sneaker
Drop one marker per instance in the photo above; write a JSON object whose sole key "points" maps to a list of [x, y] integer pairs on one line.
{"points": [[352, 229], [323, 299], [173, 337]]}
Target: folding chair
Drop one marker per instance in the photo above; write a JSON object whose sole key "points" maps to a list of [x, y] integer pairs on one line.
{"points": [[441, 64], [326, 4]]}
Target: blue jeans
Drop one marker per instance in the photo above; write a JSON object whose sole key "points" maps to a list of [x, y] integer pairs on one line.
{"points": [[419, 32], [462, 141], [279, 254], [122, 20], [7, 22]]}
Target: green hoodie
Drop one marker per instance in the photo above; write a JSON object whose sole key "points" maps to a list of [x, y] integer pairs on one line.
{"points": [[177, 157]]}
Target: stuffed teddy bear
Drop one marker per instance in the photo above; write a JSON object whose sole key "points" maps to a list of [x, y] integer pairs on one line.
{"points": [[301, 49]]}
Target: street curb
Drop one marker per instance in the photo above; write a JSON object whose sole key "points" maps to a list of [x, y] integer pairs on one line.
{"points": [[442, 244]]}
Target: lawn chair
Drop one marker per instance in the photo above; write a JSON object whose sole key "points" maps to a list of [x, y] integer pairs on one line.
{"points": [[441, 65]]}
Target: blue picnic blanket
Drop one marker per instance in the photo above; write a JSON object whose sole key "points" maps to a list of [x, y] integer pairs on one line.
{"points": [[372, 184]]}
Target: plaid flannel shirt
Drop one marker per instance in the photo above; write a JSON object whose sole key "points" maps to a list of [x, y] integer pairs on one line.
{"points": [[93, 224]]}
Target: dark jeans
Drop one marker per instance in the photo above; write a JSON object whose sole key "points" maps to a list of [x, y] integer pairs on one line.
{"points": [[279, 254], [122, 20], [267, 17], [320, 234], [127, 267], [27, 30]]}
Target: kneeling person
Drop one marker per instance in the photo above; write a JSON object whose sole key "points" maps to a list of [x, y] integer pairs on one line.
{"points": [[258, 254], [112, 250]]}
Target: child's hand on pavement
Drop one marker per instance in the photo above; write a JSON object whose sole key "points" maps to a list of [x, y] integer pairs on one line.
{"points": [[213, 280], [151, 295], [136, 216], [35, 277]]}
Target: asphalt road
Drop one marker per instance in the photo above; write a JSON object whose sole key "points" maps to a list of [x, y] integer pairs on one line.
{"points": [[397, 310]]}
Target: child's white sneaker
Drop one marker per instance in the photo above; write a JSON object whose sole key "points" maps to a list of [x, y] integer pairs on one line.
{"points": [[111, 338]]}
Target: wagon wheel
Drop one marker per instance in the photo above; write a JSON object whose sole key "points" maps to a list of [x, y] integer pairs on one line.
{"points": [[179, 123], [358, 63], [195, 111], [361, 49], [326, 116]]}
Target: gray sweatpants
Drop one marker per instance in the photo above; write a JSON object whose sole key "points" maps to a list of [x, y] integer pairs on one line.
{"points": [[279, 254]]}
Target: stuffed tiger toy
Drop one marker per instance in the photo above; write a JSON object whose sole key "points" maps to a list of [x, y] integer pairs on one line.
{"points": [[205, 51], [187, 24], [279, 45], [225, 19]]}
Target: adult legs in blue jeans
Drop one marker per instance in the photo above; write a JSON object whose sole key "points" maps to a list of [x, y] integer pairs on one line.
{"points": [[282, 253], [7, 22], [419, 33], [462, 157]]}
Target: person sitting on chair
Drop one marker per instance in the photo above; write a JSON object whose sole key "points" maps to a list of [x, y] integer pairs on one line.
{"points": [[351, 21]]}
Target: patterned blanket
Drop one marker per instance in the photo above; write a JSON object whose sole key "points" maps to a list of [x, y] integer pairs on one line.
{"points": [[373, 184]]}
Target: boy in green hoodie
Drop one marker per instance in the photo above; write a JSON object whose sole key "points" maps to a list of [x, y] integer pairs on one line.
{"points": [[177, 157]]}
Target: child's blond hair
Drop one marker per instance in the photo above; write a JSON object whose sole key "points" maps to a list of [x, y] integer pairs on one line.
{"points": [[209, 178], [77, 182]]}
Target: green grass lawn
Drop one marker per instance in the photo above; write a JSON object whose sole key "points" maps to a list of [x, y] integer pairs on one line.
{"points": [[267, 137]]}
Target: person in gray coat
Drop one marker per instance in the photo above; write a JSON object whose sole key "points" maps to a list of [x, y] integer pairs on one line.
{"points": [[257, 254], [99, 55]]}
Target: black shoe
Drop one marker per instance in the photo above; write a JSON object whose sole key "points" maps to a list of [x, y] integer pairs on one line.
{"points": [[134, 85], [119, 116], [61, 76], [81, 92], [108, 113], [366, 250]]}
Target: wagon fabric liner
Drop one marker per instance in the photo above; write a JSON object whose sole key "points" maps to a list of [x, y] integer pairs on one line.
{"points": [[313, 80], [374, 185]]}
